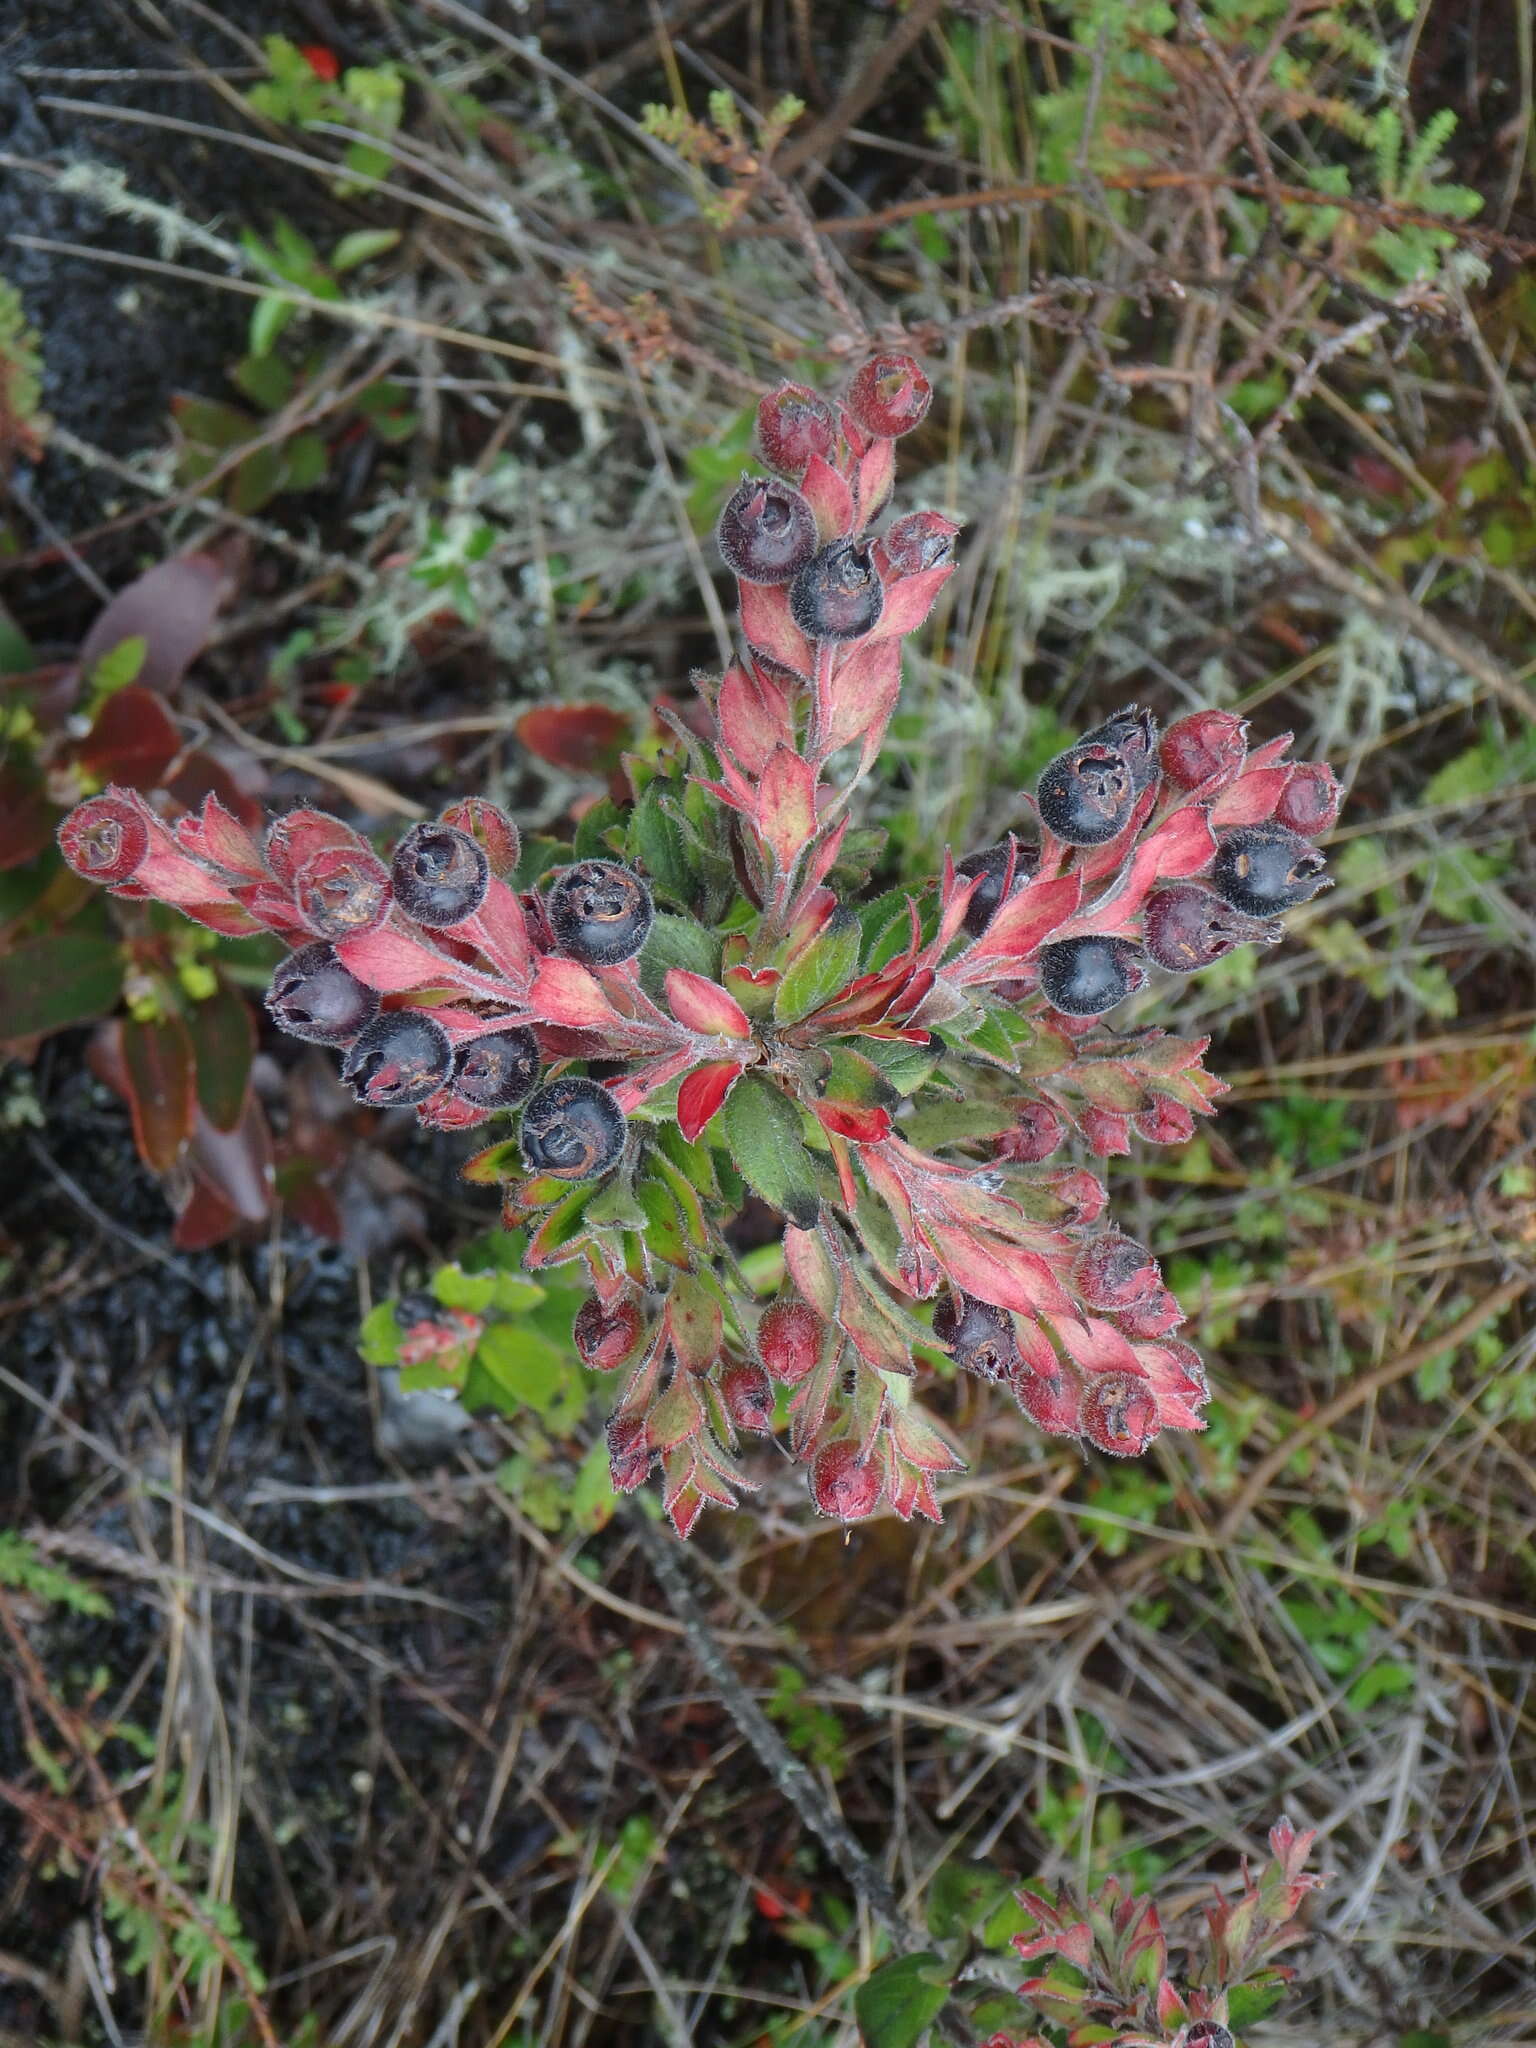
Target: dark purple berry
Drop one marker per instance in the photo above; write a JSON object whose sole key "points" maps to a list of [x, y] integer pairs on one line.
{"points": [[767, 531], [1208, 2034], [977, 1334], [1087, 794], [599, 911], [992, 865], [312, 996], [1265, 869], [440, 874], [793, 425], [498, 1070], [1085, 977], [889, 396], [572, 1129], [1133, 733], [1188, 926], [403, 1057], [837, 595]]}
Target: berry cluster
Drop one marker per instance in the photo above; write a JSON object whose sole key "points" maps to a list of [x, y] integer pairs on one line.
{"points": [[897, 1075]]}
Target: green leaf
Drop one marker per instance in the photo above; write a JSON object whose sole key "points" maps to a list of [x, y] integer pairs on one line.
{"points": [[269, 316], [65, 978], [378, 1341], [896, 2006], [762, 1131], [499, 1162], [961, 1896], [825, 966], [675, 941], [947, 1123], [1247, 2004], [657, 841], [23, 1570], [361, 246], [593, 1499], [515, 1368], [591, 832], [118, 667]]}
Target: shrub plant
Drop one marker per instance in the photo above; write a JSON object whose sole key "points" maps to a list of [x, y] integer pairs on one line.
{"points": [[713, 1032]]}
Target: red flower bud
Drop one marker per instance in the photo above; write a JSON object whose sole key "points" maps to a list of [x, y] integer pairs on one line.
{"points": [[1191, 1364], [1207, 748], [105, 839], [793, 425], [629, 1458], [1120, 1414], [789, 1340], [1310, 801], [1108, 1132], [842, 1485], [1037, 1134], [747, 1393], [918, 541], [889, 396], [342, 891], [492, 831], [1166, 1123], [1083, 1192], [1053, 1404], [1151, 1318], [606, 1332], [1113, 1271]]}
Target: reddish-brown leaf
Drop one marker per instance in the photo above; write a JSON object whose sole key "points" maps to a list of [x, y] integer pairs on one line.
{"points": [[162, 1097], [585, 739], [171, 608], [133, 740], [223, 1033]]}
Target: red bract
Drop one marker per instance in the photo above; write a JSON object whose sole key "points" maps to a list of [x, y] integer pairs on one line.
{"points": [[756, 1040]]}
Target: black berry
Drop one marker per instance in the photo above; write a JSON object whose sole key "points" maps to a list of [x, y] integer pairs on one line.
{"points": [[572, 1129], [498, 1070], [977, 1334], [837, 595], [1134, 734], [440, 874], [312, 996], [599, 911], [1265, 869], [767, 531], [403, 1057], [1187, 927], [1085, 977], [992, 865], [1087, 794]]}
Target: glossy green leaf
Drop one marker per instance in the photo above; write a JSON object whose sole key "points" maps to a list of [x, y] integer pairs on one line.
{"points": [[762, 1133], [827, 965], [897, 2005], [65, 978]]}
